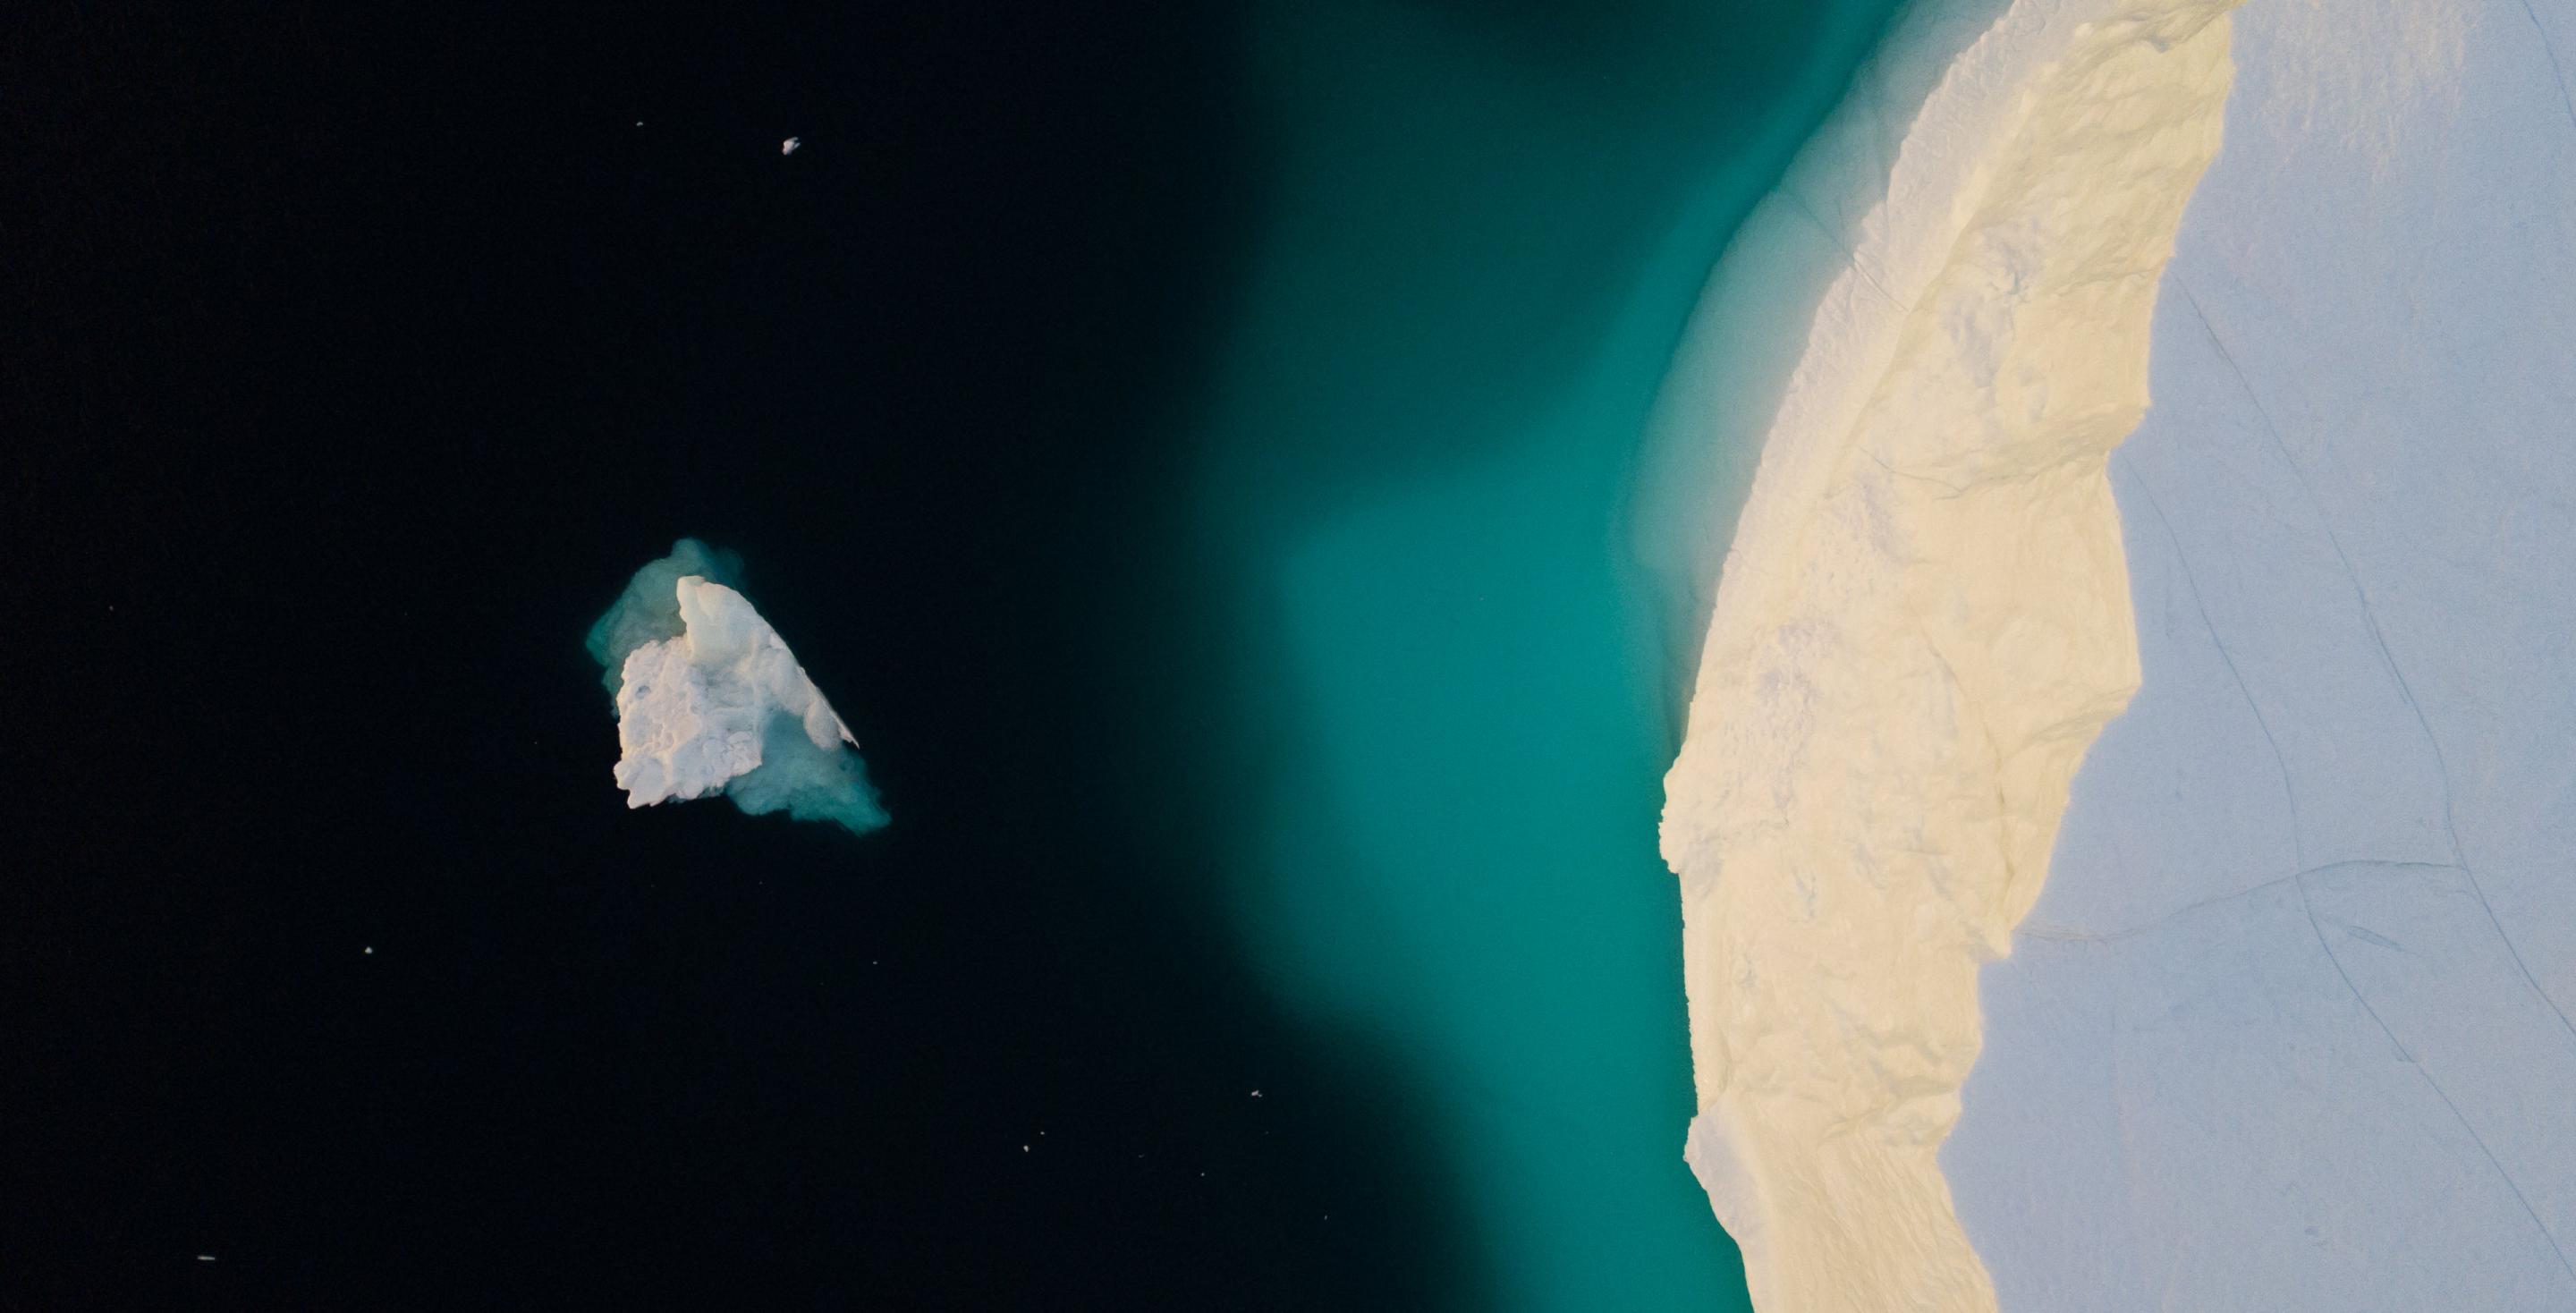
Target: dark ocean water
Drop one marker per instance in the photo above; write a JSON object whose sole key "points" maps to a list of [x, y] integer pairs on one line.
{"points": [[1187, 443]]}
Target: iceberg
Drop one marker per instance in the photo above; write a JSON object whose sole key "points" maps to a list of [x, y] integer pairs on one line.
{"points": [[710, 700]]}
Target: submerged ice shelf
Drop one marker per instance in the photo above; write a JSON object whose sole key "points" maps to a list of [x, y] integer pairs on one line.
{"points": [[710, 700]]}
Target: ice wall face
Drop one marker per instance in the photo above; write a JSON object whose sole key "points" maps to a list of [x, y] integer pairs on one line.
{"points": [[2288, 1027], [710, 700], [1921, 626]]}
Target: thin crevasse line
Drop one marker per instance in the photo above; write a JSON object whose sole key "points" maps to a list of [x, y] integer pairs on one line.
{"points": [[1994, 746], [2549, 49], [1953, 490], [2131, 932], [2370, 621], [2444, 1095], [2182, 560], [1851, 256], [2299, 879]]}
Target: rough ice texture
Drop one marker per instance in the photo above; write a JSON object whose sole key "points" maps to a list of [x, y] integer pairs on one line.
{"points": [[720, 704], [1923, 622], [2288, 1028], [691, 709]]}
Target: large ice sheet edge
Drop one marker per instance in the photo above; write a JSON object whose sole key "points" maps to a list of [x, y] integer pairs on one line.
{"points": [[1922, 622]]}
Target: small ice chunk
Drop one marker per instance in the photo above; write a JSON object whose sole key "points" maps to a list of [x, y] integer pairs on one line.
{"points": [[709, 700], [788, 147], [691, 709]]}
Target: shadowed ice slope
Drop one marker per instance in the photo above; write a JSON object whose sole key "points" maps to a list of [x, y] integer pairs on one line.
{"points": [[2289, 1028]]}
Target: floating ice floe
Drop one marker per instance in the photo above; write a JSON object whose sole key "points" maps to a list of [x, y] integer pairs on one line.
{"points": [[710, 700]]}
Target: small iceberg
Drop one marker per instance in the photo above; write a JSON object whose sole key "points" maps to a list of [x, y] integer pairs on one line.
{"points": [[710, 700]]}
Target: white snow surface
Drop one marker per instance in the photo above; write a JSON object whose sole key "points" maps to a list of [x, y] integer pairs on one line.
{"points": [[2288, 1028], [691, 709]]}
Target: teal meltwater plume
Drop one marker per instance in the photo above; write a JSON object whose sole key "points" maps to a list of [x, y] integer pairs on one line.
{"points": [[1454, 697]]}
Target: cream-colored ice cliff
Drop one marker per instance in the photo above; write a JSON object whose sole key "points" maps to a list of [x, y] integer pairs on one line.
{"points": [[1922, 624]]}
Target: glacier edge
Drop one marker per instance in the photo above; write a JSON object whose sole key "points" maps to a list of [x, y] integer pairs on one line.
{"points": [[1921, 625]]}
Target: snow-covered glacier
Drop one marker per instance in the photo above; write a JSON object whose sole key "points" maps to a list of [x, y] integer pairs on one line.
{"points": [[710, 700], [2261, 1001]]}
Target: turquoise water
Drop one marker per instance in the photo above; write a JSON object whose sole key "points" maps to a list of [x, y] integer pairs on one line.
{"points": [[1451, 677]]}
